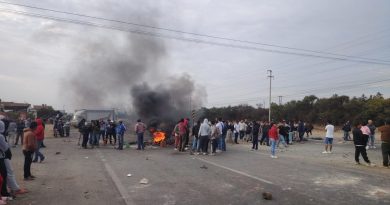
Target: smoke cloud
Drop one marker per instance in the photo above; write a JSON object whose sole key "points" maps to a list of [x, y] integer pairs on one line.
{"points": [[129, 71], [169, 101]]}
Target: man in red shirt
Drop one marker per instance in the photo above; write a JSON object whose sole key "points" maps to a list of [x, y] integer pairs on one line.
{"points": [[273, 137], [40, 135]]}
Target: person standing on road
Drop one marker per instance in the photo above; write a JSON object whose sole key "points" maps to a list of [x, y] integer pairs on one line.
{"points": [[360, 141], [283, 133], [12, 129], [139, 129], [215, 135], [371, 138], [40, 135], [183, 133], [329, 138], [102, 133], [347, 129], [265, 137], [120, 132], [236, 132], [308, 128], [242, 126], [187, 134], [222, 139], [10, 177], [230, 130], [176, 134], [29, 147], [195, 134], [366, 131], [273, 138], [80, 128], [95, 133], [112, 132], [3, 169], [204, 133], [301, 130], [385, 146], [255, 140], [19, 132], [84, 129]]}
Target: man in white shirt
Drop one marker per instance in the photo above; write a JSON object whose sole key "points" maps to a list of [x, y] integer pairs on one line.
{"points": [[242, 127], [220, 125], [329, 138], [236, 132]]}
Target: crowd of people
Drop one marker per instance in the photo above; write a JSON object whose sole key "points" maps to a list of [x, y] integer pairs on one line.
{"points": [[210, 137], [216, 133], [31, 133], [108, 131]]}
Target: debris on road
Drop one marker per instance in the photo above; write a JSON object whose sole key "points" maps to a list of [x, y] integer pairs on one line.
{"points": [[57, 153], [86, 157], [147, 158], [204, 167], [267, 196], [129, 175], [144, 181]]}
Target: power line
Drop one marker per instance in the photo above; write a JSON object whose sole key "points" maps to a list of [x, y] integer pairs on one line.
{"points": [[334, 55], [190, 33], [311, 91]]}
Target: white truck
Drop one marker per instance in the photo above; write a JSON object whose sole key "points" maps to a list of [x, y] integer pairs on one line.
{"points": [[89, 115]]}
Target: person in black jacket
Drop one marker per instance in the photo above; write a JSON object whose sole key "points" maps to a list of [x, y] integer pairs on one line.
{"points": [[255, 140], [360, 142], [86, 130], [195, 132]]}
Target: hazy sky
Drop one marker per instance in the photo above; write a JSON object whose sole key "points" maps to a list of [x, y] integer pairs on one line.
{"points": [[37, 54]]}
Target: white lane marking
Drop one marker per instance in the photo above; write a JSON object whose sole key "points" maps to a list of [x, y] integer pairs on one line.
{"points": [[236, 171], [117, 182]]}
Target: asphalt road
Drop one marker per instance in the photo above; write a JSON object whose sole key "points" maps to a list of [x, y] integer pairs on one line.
{"points": [[301, 175]]}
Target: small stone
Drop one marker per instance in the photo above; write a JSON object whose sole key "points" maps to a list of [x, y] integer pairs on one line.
{"points": [[144, 181], [57, 153], [267, 196], [204, 167]]}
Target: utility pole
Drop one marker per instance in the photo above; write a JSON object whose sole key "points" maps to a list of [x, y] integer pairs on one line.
{"points": [[280, 100], [270, 76]]}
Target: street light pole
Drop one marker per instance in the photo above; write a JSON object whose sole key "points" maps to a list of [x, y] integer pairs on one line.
{"points": [[270, 76]]}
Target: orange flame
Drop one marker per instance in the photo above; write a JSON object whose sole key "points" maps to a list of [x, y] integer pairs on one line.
{"points": [[158, 137]]}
